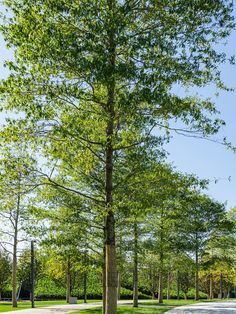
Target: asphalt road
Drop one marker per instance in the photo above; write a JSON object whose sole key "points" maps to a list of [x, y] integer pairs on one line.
{"points": [[227, 307]]}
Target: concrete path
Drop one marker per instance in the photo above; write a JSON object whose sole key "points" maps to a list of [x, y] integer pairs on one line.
{"points": [[227, 307], [62, 308]]}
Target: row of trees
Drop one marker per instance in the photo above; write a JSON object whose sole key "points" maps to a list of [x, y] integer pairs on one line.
{"points": [[64, 268], [169, 234], [92, 90]]}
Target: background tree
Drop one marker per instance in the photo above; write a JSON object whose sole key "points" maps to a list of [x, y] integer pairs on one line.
{"points": [[5, 272], [16, 183], [203, 217]]}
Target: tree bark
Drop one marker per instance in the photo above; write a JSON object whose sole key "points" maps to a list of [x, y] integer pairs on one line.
{"points": [[118, 284], [111, 271], [221, 286], [32, 274], [68, 281], [177, 284], [168, 287], [111, 264], [14, 258], [160, 288], [104, 277], [211, 287], [135, 271], [85, 287], [196, 272]]}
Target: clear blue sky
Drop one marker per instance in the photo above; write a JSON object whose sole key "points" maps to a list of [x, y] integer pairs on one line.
{"points": [[206, 159]]}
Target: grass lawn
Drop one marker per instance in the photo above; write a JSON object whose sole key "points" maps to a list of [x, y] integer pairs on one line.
{"points": [[145, 307], [6, 306]]}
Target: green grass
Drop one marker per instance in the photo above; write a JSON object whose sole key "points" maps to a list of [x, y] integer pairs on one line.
{"points": [[148, 309], [145, 307], [7, 307]]}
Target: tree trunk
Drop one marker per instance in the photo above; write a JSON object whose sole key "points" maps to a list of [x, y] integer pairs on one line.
{"points": [[111, 270], [160, 288], [221, 286], [153, 295], [211, 286], [196, 274], [168, 287], [14, 258], [68, 281], [104, 272], [111, 265], [14, 270], [177, 284], [135, 271], [118, 285], [32, 274], [85, 287], [103, 289]]}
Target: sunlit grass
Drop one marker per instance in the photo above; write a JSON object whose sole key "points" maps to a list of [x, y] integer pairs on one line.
{"points": [[7, 307]]}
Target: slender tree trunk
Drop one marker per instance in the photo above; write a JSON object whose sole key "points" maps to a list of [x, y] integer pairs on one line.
{"points": [[111, 264], [118, 285], [196, 273], [221, 286], [111, 271], [14, 258], [160, 288], [211, 286], [153, 295], [32, 274], [104, 273], [85, 287], [177, 284], [104, 288], [135, 271], [168, 287], [68, 281]]}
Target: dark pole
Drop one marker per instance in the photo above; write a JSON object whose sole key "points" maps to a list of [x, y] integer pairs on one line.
{"points": [[32, 274]]}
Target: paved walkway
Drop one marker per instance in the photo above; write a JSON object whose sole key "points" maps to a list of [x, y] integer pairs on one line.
{"points": [[62, 308], [227, 307]]}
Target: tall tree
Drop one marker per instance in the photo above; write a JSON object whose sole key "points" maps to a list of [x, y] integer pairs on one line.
{"points": [[202, 217], [15, 185], [95, 78]]}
